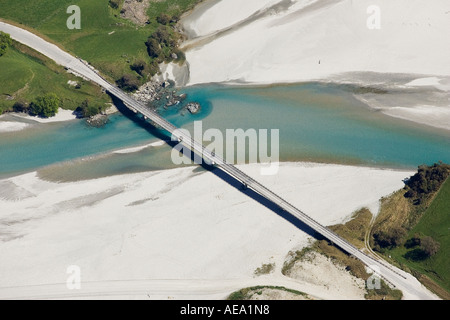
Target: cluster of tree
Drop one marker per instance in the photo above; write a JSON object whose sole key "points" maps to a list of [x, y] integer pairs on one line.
{"points": [[129, 82], [162, 46], [429, 246], [5, 42], [45, 106], [144, 69], [419, 188], [427, 180], [87, 110], [425, 247], [389, 238]]}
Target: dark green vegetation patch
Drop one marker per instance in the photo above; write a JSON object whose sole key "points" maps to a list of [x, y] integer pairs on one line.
{"points": [[412, 229]]}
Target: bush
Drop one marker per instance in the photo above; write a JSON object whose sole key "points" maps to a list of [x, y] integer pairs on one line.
{"points": [[413, 242], [85, 110], [128, 83], [162, 35], [153, 48], [140, 67], [391, 238], [427, 180], [21, 106], [153, 68], [5, 42], [45, 106], [114, 4], [163, 18], [429, 246], [161, 44]]}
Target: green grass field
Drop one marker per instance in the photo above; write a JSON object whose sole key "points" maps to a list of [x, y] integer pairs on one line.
{"points": [[107, 41], [25, 75], [435, 222]]}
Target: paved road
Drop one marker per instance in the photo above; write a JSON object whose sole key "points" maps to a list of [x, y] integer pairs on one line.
{"points": [[403, 281]]}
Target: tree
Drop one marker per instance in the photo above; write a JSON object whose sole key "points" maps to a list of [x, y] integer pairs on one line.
{"points": [[413, 242], [153, 47], [86, 110], [5, 42], [429, 246], [390, 238], [45, 106], [21, 106], [128, 83], [427, 180]]}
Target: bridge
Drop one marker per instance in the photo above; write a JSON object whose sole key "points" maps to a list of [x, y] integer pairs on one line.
{"points": [[394, 276], [388, 273]]}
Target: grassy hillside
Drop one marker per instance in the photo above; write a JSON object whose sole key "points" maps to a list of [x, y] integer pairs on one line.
{"points": [[412, 228], [110, 43], [436, 224], [105, 40], [26, 74]]}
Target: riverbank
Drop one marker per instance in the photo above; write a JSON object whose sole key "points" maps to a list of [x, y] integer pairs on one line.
{"points": [[132, 227], [288, 42], [61, 115], [14, 122]]}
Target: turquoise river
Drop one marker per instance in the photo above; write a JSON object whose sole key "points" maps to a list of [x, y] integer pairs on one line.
{"points": [[316, 122]]}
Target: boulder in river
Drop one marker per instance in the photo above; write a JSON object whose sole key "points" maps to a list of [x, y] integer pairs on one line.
{"points": [[193, 107]]}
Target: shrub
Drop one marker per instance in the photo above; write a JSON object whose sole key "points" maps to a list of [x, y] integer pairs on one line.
{"points": [[427, 180], [128, 83], [429, 246], [5, 42], [391, 238], [21, 106], [265, 269], [163, 18], [413, 242], [153, 48], [161, 44], [114, 4], [163, 36], [85, 110], [45, 106], [140, 67]]}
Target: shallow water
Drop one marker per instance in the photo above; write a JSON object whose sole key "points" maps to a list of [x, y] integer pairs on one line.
{"points": [[317, 122]]}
